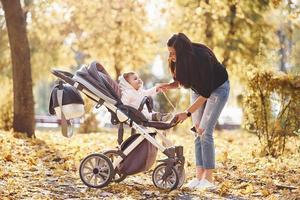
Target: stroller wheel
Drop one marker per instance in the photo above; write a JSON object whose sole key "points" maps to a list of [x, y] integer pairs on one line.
{"points": [[181, 173], [170, 182], [96, 170], [113, 155]]}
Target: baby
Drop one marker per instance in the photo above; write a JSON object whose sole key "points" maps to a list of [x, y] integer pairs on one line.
{"points": [[133, 93]]}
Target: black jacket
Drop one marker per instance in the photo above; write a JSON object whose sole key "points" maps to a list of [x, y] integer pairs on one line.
{"points": [[210, 73]]}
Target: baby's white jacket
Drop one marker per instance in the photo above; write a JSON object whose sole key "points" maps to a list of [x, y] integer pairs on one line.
{"points": [[133, 97]]}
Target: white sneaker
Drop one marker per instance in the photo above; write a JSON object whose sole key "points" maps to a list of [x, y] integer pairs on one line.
{"points": [[205, 184], [193, 183]]}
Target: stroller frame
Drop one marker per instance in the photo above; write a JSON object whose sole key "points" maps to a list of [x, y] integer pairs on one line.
{"points": [[168, 175]]}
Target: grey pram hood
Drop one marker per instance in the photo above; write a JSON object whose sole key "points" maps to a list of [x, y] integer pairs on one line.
{"points": [[107, 88]]}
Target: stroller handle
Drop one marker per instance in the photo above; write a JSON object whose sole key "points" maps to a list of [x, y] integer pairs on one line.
{"points": [[162, 125], [174, 121], [64, 75]]}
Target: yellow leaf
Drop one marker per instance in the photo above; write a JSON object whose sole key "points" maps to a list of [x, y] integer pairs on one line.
{"points": [[265, 192], [249, 189], [8, 157], [224, 188], [32, 161], [59, 172]]}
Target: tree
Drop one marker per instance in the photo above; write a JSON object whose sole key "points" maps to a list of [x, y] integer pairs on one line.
{"points": [[233, 29], [23, 120], [113, 32], [288, 34]]}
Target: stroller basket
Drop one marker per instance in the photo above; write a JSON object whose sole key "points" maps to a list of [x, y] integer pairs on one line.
{"points": [[143, 156]]}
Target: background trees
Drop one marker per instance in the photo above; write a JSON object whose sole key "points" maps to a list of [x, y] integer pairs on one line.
{"points": [[128, 35], [114, 32]]}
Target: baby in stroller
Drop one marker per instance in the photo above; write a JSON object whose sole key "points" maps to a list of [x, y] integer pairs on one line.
{"points": [[138, 152], [133, 95]]}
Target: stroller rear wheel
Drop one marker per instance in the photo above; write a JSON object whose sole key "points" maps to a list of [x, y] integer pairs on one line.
{"points": [[113, 155], [96, 170], [163, 180]]}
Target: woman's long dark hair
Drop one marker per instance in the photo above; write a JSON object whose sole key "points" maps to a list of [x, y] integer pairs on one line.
{"points": [[181, 70], [185, 69]]}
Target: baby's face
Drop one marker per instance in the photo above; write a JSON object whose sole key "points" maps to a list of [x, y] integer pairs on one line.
{"points": [[135, 81]]}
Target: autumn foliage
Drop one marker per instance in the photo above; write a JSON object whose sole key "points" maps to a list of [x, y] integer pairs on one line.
{"points": [[47, 168], [272, 108]]}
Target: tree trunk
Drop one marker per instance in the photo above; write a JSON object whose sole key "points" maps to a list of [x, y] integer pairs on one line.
{"points": [[282, 51], [284, 34], [209, 29], [230, 35], [117, 70], [20, 56], [117, 57], [117, 54]]}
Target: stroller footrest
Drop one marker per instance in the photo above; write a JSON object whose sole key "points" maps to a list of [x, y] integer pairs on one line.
{"points": [[167, 160]]}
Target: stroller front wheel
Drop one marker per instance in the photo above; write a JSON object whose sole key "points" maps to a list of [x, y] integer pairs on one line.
{"points": [[165, 178], [96, 170]]}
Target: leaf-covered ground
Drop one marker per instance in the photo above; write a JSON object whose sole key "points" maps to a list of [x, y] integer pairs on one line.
{"points": [[47, 168]]}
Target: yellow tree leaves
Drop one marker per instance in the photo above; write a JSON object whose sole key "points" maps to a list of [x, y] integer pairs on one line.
{"points": [[113, 32], [67, 33], [272, 108]]}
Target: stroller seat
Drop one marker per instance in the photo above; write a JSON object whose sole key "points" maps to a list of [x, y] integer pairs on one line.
{"points": [[101, 84]]}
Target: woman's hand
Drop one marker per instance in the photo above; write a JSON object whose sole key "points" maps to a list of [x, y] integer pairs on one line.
{"points": [[199, 130], [181, 117], [162, 87]]}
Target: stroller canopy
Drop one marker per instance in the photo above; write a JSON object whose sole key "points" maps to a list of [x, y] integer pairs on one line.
{"points": [[96, 79]]}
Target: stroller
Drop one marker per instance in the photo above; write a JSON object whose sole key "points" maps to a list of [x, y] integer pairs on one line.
{"points": [[138, 152]]}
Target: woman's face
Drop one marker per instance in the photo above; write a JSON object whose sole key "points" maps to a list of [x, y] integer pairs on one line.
{"points": [[172, 54], [135, 81]]}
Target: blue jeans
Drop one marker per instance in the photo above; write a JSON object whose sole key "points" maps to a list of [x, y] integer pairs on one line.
{"points": [[207, 117]]}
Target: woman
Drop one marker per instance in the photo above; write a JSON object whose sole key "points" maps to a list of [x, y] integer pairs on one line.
{"points": [[195, 66]]}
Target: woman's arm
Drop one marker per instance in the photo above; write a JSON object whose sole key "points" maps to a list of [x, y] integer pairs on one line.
{"points": [[196, 105], [166, 86], [173, 85]]}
